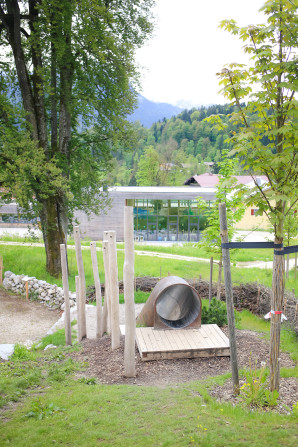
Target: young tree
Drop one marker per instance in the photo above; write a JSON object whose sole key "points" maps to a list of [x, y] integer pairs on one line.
{"points": [[148, 173], [265, 136], [234, 206], [72, 64]]}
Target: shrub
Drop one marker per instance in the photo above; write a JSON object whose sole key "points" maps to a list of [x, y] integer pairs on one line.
{"points": [[216, 313]]}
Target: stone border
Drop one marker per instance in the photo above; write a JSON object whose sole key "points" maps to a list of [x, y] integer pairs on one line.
{"points": [[49, 294]]}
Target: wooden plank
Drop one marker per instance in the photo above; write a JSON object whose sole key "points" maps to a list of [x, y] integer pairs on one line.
{"points": [[205, 334], [213, 339], [221, 334], [140, 340], [195, 339], [162, 341], [217, 334], [183, 340], [155, 344]]}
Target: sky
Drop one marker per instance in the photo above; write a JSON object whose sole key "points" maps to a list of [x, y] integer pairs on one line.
{"points": [[181, 61]]}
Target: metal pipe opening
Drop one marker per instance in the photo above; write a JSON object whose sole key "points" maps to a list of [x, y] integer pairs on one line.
{"points": [[178, 306]]}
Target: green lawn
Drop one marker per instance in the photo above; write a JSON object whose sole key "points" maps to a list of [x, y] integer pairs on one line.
{"points": [[54, 408], [43, 404], [16, 257]]}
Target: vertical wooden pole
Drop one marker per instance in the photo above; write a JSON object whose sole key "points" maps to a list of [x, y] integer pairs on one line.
{"points": [[82, 291], [79, 322], [1, 270], [210, 281], [97, 290], [229, 296], [278, 285], [114, 290], [106, 319], [288, 266], [218, 294], [128, 276], [67, 322]]}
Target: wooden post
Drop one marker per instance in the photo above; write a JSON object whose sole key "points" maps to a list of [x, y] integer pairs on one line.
{"points": [[97, 290], [218, 293], [278, 274], [128, 277], [229, 296], [288, 266], [114, 290], [27, 290], [210, 281], [285, 306], [79, 321], [67, 322], [81, 302], [106, 319], [1, 270]]}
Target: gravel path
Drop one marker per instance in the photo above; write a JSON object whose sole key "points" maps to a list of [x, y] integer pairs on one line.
{"points": [[23, 321]]}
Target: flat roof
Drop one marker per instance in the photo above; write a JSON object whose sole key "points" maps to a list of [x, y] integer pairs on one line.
{"points": [[162, 192]]}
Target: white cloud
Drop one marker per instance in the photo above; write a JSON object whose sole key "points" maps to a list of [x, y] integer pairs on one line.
{"points": [[181, 61]]}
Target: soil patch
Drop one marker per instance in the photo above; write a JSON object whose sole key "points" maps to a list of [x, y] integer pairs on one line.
{"points": [[23, 321], [108, 366]]}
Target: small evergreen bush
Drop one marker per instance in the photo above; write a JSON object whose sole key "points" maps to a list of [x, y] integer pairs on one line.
{"points": [[215, 314]]}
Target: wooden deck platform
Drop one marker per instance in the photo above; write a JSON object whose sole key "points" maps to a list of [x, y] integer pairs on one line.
{"points": [[156, 344]]}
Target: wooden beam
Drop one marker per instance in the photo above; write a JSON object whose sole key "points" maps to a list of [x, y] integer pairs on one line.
{"points": [[106, 318], [128, 277], [114, 290], [97, 290], [210, 281], [67, 322], [229, 295], [81, 302]]}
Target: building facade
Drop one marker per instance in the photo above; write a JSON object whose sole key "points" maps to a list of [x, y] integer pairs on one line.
{"points": [[160, 213]]}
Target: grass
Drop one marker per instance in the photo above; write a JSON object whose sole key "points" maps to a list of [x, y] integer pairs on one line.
{"points": [[288, 338], [56, 409], [133, 416], [16, 257]]}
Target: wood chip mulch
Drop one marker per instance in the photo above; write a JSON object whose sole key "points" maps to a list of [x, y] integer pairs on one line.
{"points": [[108, 367]]}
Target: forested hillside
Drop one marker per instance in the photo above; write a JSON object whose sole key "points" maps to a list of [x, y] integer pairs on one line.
{"points": [[172, 150]]}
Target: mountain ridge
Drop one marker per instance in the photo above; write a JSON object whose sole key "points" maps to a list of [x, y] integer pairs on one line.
{"points": [[149, 112]]}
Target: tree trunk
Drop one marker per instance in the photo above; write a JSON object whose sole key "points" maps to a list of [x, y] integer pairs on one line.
{"points": [[54, 225], [276, 305], [219, 278]]}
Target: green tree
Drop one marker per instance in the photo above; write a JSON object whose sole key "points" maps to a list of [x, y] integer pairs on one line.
{"points": [[148, 169], [265, 136], [225, 192], [72, 64]]}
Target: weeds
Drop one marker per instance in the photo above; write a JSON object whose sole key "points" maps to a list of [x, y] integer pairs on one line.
{"points": [[254, 392], [41, 411]]}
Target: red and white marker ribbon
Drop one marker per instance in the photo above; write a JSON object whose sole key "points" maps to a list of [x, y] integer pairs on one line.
{"points": [[275, 312]]}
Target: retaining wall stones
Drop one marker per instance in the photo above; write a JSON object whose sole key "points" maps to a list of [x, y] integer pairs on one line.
{"points": [[49, 294]]}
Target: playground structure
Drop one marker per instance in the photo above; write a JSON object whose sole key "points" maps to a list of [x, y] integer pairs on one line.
{"points": [[172, 312], [173, 304]]}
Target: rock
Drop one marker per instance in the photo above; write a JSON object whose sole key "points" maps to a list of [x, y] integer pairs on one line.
{"points": [[8, 274], [6, 351], [50, 346]]}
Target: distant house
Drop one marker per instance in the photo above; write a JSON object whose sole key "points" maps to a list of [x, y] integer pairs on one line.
{"points": [[251, 219], [209, 180]]}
